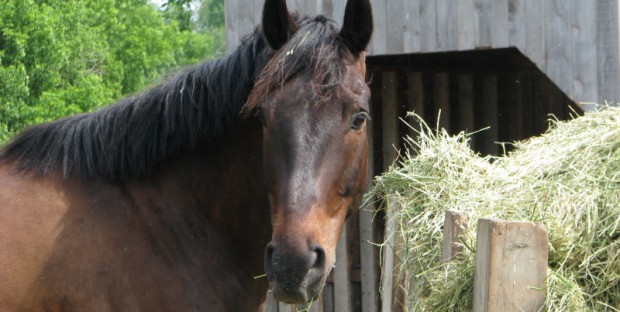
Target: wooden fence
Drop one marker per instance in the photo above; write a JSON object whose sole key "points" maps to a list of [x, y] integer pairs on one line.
{"points": [[510, 264]]}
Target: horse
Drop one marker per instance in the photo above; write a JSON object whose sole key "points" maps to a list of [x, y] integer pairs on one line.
{"points": [[178, 198]]}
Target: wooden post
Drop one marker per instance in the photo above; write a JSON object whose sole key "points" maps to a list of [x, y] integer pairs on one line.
{"points": [[455, 224], [388, 263], [283, 307], [511, 266], [390, 144], [328, 298], [342, 285], [271, 305]]}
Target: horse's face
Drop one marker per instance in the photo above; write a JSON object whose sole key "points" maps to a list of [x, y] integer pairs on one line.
{"points": [[316, 170], [315, 145]]}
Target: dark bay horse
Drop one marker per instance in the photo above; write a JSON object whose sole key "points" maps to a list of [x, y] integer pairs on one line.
{"points": [[175, 199]]}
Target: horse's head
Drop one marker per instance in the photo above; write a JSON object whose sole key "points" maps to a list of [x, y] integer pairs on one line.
{"points": [[313, 100]]}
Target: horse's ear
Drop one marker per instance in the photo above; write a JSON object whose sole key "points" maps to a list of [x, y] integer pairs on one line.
{"points": [[357, 26], [278, 24]]}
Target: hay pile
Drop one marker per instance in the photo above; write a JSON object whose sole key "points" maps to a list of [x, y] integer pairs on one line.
{"points": [[567, 179]]}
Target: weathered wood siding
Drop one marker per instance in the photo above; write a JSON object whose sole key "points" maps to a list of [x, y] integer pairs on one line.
{"points": [[574, 42]]}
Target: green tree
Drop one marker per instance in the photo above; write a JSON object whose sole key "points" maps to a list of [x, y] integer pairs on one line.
{"points": [[211, 22], [61, 57], [181, 12]]}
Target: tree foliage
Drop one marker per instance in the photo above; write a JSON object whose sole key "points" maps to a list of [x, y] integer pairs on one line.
{"points": [[61, 57]]}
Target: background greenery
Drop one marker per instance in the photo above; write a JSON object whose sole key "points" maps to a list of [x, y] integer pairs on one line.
{"points": [[62, 57]]}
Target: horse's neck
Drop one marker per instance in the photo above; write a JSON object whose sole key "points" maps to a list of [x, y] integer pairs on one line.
{"points": [[218, 188]]}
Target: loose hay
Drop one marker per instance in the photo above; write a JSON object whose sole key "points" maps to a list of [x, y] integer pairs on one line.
{"points": [[567, 179]]}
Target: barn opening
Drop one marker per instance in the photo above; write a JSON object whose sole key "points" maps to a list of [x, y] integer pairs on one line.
{"points": [[498, 89]]}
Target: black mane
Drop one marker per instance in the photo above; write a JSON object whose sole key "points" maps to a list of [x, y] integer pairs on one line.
{"points": [[129, 138]]}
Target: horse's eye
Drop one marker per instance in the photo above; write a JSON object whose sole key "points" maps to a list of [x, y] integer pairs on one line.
{"points": [[359, 120]]}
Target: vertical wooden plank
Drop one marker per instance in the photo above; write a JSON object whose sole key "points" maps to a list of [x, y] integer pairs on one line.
{"points": [[231, 20], [391, 139], [516, 24], [482, 23], [271, 305], [292, 5], [283, 307], [441, 98], [318, 305], [339, 11], [455, 224], [513, 102], [304, 6], [556, 101], [314, 306], [535, 32], [499, 23], [310, 7], [368, 251], [411, 28], [245, 18], [465, 25], [528, 87], [396, 16], [415, 100], [428, 26], [388, 262], [511, 266], [488, 115], [466, 108], [258, 12], [354, 256], [607, 50], [585, 80], [328, 298], [326, 8], [390, 120], [446, 25], [369, 272], [342, 284], [558, 44], [545, 91], [378, 44]]}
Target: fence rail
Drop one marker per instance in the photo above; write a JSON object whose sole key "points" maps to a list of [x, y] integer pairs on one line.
{"points": [[510, 264]]}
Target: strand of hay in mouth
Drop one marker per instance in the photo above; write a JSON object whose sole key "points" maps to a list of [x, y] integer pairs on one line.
{"points": [[567, 179]]}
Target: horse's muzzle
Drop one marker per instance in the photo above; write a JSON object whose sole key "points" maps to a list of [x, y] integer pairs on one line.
{"points": [[295, 277]]}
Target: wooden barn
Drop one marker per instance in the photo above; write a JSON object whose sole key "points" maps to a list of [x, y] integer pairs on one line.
{"points": [[503, 64]]}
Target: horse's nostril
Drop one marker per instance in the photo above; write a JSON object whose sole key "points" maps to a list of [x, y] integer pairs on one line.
{"points": [[296, 272], [269, 259], [319, 262]]}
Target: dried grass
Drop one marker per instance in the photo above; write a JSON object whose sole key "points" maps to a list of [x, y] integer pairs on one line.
{"points": [[567, 179]]}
